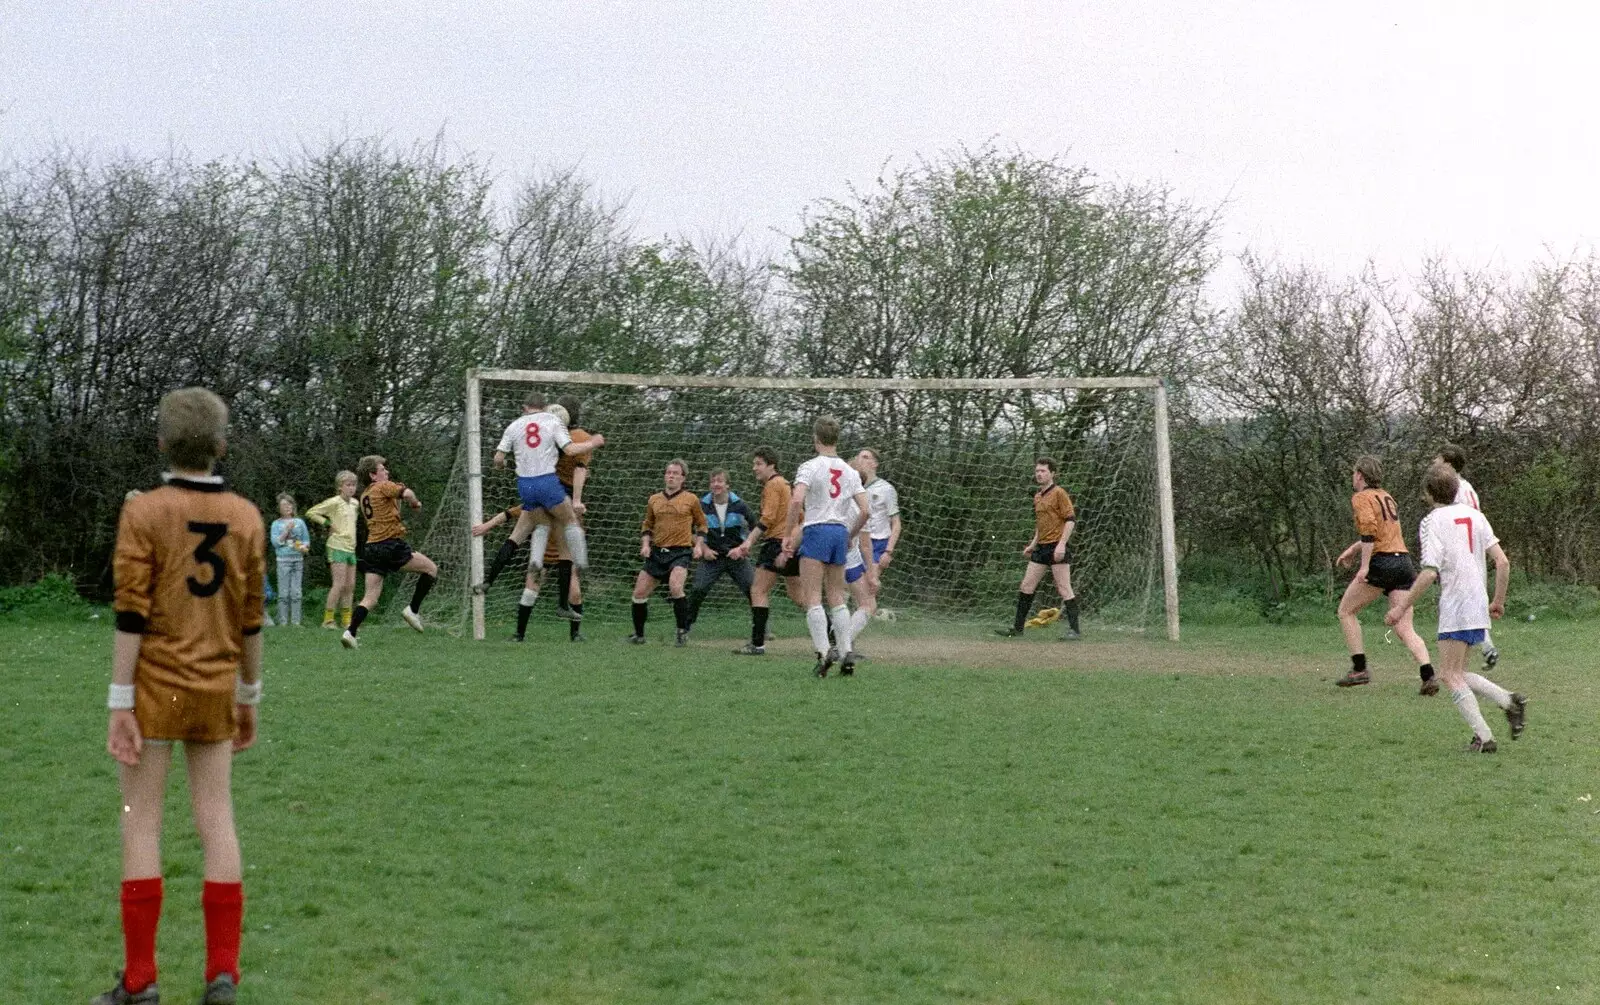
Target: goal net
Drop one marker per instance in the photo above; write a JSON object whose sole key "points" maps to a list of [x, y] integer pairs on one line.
{"points": [[960, 453]]}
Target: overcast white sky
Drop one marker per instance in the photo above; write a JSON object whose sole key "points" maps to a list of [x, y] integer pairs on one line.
{"points": [[1337, 131]]}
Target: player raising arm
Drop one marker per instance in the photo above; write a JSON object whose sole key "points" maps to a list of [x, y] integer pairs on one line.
{"points": [[674, 528], [538, 438], [1054, 521], [1384, 567], [1456, 542], [186, 667], [530, 581], [386, 549], [572, 470], [828, 510], [766, 542]]}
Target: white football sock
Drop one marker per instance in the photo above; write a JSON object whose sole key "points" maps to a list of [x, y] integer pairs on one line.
{"points": [[817, 624], [1467, 705], [858, 623], [538, 546], [1482, 685], [1488, 639], [577, 546], [841, 628], [529, 597]]}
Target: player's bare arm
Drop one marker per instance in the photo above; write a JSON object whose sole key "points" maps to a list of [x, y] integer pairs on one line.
{"points": [[1066, 533], [499, 458], [580, 478], [1502, 579], [480, 529], [411, 498], [1366, 561], [894, 539], [1406, 599], [797, 516], [590, 445], [250, 678], [751, 540], [123, 739]]}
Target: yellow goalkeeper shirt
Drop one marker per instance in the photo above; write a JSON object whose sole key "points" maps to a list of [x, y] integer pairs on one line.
{"points": [[338, 514]]}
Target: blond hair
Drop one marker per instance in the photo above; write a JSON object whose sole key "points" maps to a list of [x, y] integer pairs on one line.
{"points": [[192, 424], [345, 476]]}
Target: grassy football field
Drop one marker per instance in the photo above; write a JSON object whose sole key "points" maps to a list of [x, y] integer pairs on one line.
{"points": [[1121, 820]]}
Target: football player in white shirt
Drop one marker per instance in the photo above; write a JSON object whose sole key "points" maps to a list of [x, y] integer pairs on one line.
{"points": [[1468, 496], [1456, 539], [877, 538], [537, 438], [827, 511]]}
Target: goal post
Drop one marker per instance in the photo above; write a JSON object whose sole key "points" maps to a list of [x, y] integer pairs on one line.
{"points": [[960, 452]]}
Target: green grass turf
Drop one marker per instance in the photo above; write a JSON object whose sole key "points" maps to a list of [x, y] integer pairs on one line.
{"points": [[431, 820]]}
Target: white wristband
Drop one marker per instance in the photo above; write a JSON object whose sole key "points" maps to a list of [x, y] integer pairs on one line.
{"points": [[120, 698], [247, 694]]}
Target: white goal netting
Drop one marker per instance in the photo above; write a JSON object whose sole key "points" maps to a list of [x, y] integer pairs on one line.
{"points": [[960, 453]]}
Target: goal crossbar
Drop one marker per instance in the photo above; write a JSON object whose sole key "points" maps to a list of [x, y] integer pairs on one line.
{"points": [[473, 434], [819, 383]]}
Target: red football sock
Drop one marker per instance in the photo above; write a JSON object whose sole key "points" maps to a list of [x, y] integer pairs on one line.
{"points": [[141, 913], [223, 904]]}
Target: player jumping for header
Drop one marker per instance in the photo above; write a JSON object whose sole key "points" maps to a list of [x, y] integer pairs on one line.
{"points": [[538, 438]]}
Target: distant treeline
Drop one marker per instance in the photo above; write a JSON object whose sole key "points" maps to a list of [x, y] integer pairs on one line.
{"points": [[336, 297]]}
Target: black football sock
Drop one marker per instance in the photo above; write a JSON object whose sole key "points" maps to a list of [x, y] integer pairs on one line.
{"points": [[573, 626], [758, 625], [680, 612], [424, 584], [1024, 604], [1358, 662], [695, 600], [508, 547], [1426, 670], [641, 610], [356, 618], [563, 582], [1070, 608], [523, 611]]}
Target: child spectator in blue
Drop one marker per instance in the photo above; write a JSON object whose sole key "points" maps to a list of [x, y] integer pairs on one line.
{"points": [[291, 539]]}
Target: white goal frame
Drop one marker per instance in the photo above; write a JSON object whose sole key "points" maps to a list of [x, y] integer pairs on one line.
{"points": [[476, 377]]}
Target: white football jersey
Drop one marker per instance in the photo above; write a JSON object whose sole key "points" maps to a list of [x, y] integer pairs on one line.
{"points": [[853, 560], [831, 488], [1455, 540], [1466, 495], [883, 502], [537, 440]]}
